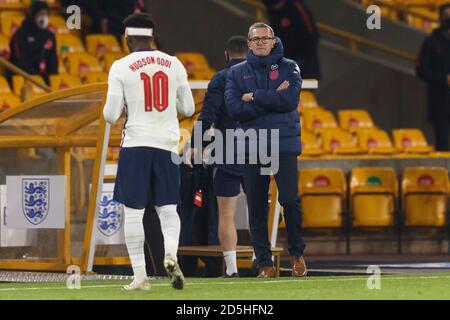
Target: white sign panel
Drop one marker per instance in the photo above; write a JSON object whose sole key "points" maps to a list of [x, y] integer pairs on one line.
{"points": [[110, 218], [12, 237], [36, 202]]}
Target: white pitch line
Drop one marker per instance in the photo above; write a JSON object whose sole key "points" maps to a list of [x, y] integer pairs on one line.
{"points": [[192, 284]]}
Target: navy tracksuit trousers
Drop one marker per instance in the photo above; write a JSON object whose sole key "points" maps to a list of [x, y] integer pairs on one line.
{"points": [[256, 189]]}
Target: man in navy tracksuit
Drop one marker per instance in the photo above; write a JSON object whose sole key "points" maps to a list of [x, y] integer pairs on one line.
{"points": [[228, 176], [263, 93]]}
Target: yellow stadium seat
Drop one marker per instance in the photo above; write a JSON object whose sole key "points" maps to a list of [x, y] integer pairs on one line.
{"points": [[310, 144], [124, 45], [193, 60], [196, 65], [374, 192], [425, 194], [4, 86], [4, 51], [81, 63], [307, 100], [94, 77], [68, 43], [25, 89], [375, 141], [61, 67], [352, 119], [10, 24], [8, 101], [10, 13], [57, 25], [338, 141], [60, 82], [107, 59], [323, 194], [11, 4], [101, 43], [4, 47], [411, 141], [202, 75], [316, 119]]}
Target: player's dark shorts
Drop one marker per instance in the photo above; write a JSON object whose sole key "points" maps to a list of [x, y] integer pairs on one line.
{"points": [[226, 184], [146, 176]]}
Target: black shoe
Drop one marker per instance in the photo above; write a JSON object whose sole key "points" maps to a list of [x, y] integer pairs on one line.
{"points": [[233, 275]]}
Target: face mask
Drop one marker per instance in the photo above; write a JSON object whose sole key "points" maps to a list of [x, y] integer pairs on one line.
{"points": [[42, 22]]}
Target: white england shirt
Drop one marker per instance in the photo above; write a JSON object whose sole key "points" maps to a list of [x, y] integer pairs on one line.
{"points": [[152, 88]]}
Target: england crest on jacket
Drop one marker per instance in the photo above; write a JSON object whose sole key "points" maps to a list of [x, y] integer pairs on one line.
{"points": [[110, 216], [35, 199], [274, 73]]}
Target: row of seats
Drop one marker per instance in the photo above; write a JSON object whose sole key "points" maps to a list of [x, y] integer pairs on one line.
{"points": [[354, 133], [10, 95], [365, 141], [77, 65], [374, 197], [81, 61], [99, 45]]}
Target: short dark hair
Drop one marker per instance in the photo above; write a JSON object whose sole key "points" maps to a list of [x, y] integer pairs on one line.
{"points": [[38, 6], [237, 45], [139, 20]]}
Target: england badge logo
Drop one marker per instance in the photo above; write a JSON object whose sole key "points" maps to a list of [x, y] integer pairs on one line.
{"points": [[35, 199], [110, 215]]}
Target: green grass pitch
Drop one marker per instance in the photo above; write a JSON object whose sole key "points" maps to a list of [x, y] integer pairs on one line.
{"points": [[407, 286]]}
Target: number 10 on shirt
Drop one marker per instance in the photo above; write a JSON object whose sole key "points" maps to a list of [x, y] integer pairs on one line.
{"points": [[156, 91]]}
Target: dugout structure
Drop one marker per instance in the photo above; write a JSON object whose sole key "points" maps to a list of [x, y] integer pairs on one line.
{"points": [[64, 133]]}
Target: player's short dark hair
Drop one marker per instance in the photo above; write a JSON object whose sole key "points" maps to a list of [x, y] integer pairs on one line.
{"points": [[38, 6], [237, 45], [139, 20], [442, 8]]}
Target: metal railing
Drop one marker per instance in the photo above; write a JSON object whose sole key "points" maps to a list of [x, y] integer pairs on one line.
{"points": [[16, 70]]}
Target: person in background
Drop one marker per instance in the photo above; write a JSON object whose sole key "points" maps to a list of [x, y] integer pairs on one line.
{"points": [[263, 94], [33, 46], [294, 23], [107, 15], [228, 178], [434, 68]]}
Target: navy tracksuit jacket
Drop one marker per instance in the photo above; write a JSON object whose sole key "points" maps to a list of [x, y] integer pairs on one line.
{"points": [[214, 112], [271, 109]]}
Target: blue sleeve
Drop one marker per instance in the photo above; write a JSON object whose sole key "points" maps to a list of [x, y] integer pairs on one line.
{"points": [[211, 105], [212, 102], [285, 100], [238, 109]]}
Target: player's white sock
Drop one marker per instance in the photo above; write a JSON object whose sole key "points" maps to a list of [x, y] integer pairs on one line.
{"points": [[230, 262], [135, 238], [170, 227]]}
